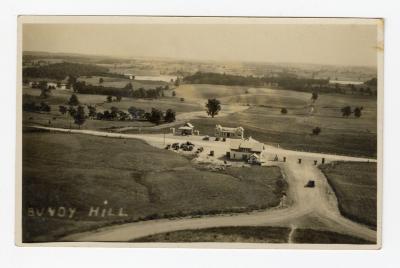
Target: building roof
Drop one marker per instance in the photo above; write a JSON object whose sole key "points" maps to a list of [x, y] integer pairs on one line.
{"points": [[250, 143], [229, 129], [185, 128], [187, 124]]}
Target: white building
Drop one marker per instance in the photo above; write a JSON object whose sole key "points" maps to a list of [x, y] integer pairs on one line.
{"points": [[52, 85], [186, 129], [229, 132], [245, 149]]}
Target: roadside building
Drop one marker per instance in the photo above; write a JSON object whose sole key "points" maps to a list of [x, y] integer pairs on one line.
{"points": [[245, 150], [229, 132], [62, 86], [186, 129], [51, 85]]}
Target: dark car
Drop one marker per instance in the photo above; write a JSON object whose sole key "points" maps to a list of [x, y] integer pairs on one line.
{"points": [[310, 184], [175, 146]]}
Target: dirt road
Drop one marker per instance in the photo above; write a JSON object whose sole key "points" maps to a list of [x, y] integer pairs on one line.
{"points": [[320, 200]]}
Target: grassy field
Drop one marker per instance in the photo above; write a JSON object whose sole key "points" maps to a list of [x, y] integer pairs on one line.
{"points": [[78, 171], [264, 121], [355, 185], [121, 82], [253, 234], [246, 234]]}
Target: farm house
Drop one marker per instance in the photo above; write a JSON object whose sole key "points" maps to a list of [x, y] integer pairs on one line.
{"points": [[245, 149], [229, 132]]}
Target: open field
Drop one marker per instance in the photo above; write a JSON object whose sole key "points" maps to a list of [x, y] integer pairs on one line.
{"points": [[80, 172], [264, 121], [223, 234], [254, 234], [122, 82], [355, 185], [294, 132]]}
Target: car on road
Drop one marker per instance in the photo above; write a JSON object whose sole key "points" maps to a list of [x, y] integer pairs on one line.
{"points": [[206, 138], [310, 184]]}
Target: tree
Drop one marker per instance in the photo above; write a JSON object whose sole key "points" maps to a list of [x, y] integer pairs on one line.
{"points": [[156, 116], [357, 112], [109, 98], [129, 86], [92, 111], [101, 80], [177, 82], [284, 111], [72, 111], [114, 112], [132, 110], [73, 100], [63, 110], [45, 90], [119, 98], [346, 111], [169, 116], [79, 117], [72, 80], [316, 131], [213, 107], [314, 96], [44, 107]]}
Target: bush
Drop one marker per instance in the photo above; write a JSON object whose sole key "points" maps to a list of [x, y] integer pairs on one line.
{"points": [[316, 131], [284, 111]]}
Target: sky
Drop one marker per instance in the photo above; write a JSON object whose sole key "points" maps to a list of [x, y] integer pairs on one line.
{"points": [[333, 44]]}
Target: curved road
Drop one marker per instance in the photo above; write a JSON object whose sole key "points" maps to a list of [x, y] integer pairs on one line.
{"points": [[320, 200]]}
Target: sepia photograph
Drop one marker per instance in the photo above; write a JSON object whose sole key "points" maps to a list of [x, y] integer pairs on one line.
{"points": [[256, 132]]}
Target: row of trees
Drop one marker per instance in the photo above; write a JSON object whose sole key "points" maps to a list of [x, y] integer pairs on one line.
{"points": [[60, 71], [76, 113], [284, 81], [347, 111], [127, 91], [33, 107], [114, 113]]}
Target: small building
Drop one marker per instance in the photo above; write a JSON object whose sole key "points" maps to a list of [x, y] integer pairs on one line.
{"points": [[51, 85], [186, 129], [62, 86], [229, 132], [245, 149]]}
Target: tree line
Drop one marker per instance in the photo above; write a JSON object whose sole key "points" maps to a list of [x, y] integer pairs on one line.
{"points": [[285, 81], [128, 91], [77, 112], [60, 71]]}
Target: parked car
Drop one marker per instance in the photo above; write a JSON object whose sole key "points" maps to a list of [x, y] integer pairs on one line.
{"points": [[175, 146], [168, 147], [206, 138], [310, 184]]}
